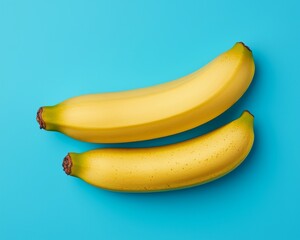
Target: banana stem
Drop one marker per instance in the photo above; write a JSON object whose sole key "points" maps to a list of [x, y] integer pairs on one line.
{"points": [[39, 118], [67, 164]]}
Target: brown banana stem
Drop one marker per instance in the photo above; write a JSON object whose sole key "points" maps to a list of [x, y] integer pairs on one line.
{"points": [[67, 164], [39, 118]]}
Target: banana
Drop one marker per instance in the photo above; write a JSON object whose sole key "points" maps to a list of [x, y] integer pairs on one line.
{"points": [[155, 111], [174, 166]]}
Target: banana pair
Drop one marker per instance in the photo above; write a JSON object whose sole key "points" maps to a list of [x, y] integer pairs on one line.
{"points": [[154, 112]]}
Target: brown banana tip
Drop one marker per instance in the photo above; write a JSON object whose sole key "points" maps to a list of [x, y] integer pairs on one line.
{"points": [[39, 118], [67, 164], [246, 46]]}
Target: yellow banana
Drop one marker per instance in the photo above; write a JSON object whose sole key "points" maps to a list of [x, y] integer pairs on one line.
{"points": [[155, 111], [175, 166]]}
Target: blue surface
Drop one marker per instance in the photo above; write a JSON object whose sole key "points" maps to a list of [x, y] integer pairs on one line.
{"points": [[52, 50]]}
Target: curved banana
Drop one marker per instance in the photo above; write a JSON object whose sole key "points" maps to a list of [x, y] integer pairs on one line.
{"points": [[156, 111], [175, 166]]}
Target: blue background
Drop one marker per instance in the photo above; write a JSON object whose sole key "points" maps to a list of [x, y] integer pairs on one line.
{"points": [[52, 50]]}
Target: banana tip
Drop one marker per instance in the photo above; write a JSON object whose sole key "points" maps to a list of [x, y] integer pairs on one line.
{"points": [[67, 164], [39, 118], [245, 46], [246, 111]]}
